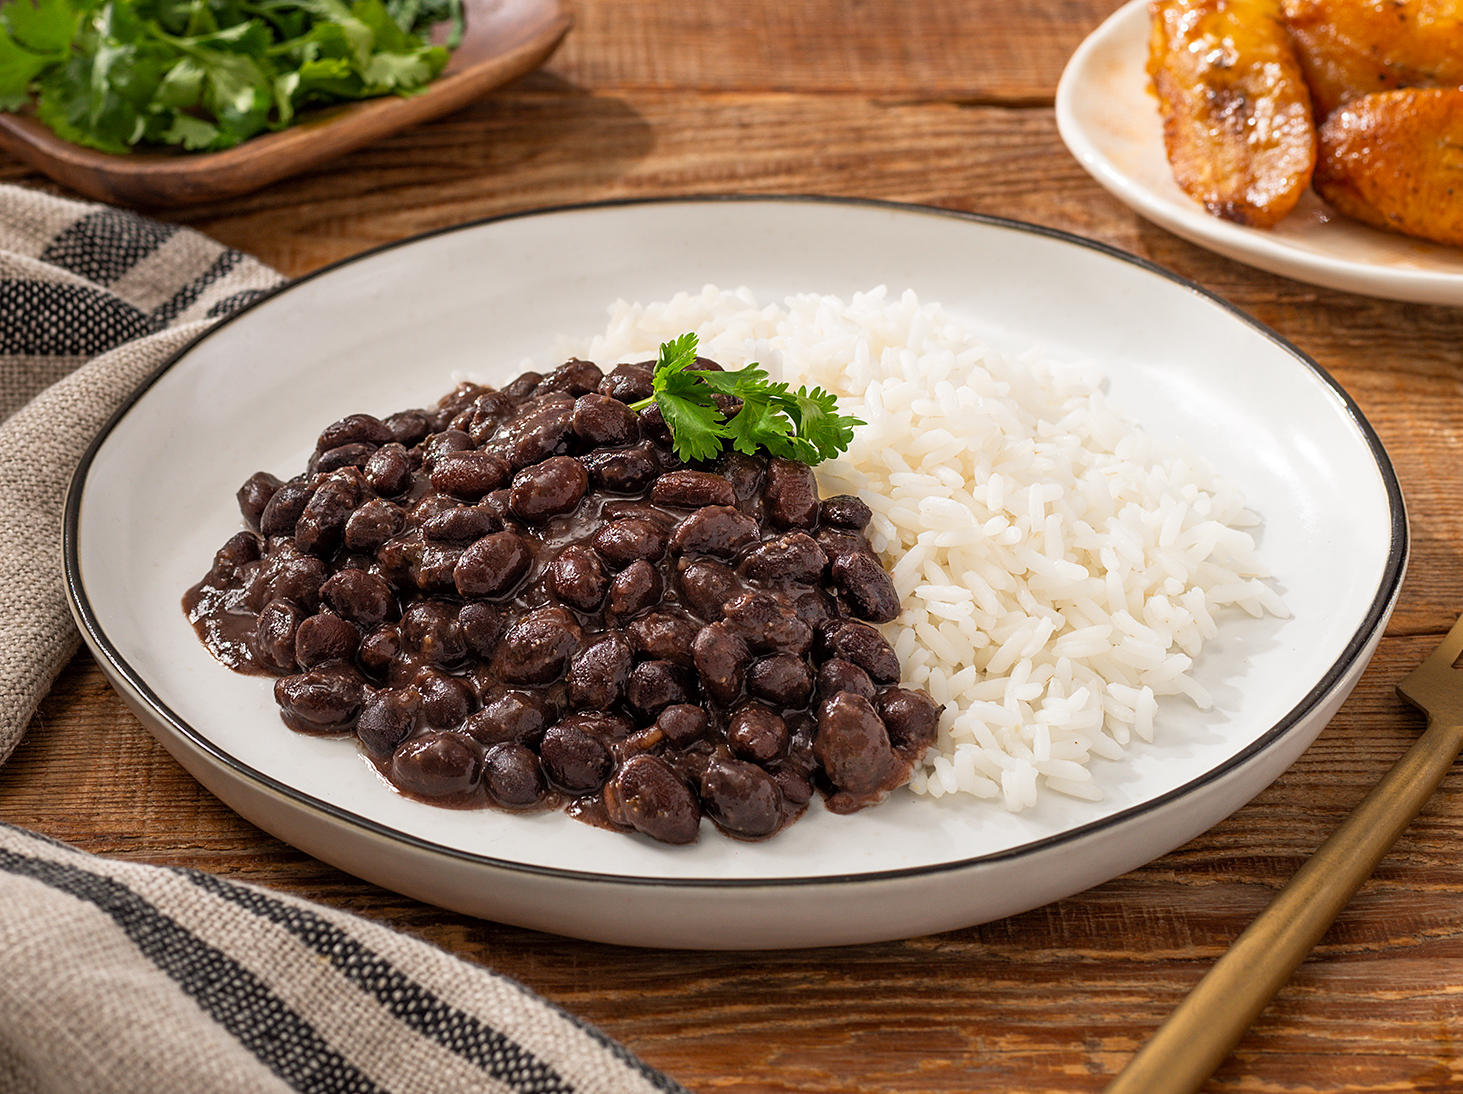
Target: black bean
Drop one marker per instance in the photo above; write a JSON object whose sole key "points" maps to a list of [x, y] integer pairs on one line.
{"points": [[522, 386], [437, 764], [683, 723], [409, 428], [283, 509], [767, 621], [866, 648], [868, 589], [629, 382], [321, 527], [238, 551], [655, 685], [296, 579], [481, 418], [792, 556], [746, 474], [796, 786], [852, 744], [715, 530], [443, 443], [839, 543], [378, 649], [622, 470], [608, 727], [634, 589], [513, 776], [510, 715], [706, 585], [555, 485], [319, 701], [444, 701], [434, 567], [600, 420], [742, 798], [574, 377], [784, 679], [597, 677], [254, 495], [492, 566], [791, 494], [373, 524], [721, 658], [389, 470], [273, 641], [911, 717], [346, 455], [469, 474], [482, 626], [578, 578], [360, 596], [688, 489], [652, 424], [545, 428], [575, 761], [845, 511], [624, 540], [815, 608], [663, 635], [537, 647], [325, 636], [460, 524], [756, 732], [430, 629], [354, 429], [385, 720], [648, 795], [836, 674]]}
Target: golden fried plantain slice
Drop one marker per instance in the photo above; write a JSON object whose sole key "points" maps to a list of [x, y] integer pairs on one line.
{"points": [[1237, 122], [1395, 160], [1350, 48]]}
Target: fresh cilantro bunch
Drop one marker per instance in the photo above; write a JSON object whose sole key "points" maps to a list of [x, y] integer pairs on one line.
{"points": [[208, 74], [800, 425]]}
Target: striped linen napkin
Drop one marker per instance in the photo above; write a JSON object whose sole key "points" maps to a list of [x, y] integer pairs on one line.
{"points": [[138, 979]]}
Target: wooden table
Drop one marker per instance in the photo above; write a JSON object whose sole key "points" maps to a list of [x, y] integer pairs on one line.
{"points": [[945, 102]]}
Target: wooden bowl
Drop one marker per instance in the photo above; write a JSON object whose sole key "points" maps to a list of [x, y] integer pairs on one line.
{"points": [[503, 39]]}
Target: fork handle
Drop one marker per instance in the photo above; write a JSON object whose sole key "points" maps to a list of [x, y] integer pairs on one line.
{"points": [[1205, 1027]]}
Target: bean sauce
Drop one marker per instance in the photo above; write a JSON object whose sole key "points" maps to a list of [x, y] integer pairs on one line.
{"points": [[522, 599]]}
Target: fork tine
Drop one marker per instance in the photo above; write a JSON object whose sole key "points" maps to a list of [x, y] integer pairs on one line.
{"points": [[1434, 685]]}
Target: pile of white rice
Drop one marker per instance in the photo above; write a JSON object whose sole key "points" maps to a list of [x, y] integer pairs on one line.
{"points": [[1059, 570]]}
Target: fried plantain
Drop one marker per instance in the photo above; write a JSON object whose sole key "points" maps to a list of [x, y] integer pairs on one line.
{"points": [[1394, 160], [1237, 121], [1350, 48]]}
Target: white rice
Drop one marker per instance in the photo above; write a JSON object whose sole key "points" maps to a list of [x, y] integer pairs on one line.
{"points": [[1059, 570]]}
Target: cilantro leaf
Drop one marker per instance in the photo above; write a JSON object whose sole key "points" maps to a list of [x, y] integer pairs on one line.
{"points": [[208, 74], [803, 425]]}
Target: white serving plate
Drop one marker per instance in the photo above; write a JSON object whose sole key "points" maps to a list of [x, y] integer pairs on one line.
{"points": [[154, 497], [1109, 119]]}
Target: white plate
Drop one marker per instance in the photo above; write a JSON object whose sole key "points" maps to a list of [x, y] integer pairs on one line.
{"points": [[1109, 120], [154, 498]]}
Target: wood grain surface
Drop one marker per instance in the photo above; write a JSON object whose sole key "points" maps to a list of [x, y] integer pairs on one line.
{"points": [[947, 103]]}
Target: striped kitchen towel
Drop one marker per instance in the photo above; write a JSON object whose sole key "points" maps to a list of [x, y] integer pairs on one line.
{"points": [[136, 979], [139, 979], [92, 301]]}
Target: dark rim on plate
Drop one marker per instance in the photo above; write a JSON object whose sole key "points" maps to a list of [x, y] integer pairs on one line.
{"points": [[1380, 605]]}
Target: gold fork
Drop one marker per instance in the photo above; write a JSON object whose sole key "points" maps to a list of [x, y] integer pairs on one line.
{"points": [[1205, 1027]]}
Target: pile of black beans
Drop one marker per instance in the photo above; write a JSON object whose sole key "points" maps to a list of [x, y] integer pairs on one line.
{"points": [[522, 598]]}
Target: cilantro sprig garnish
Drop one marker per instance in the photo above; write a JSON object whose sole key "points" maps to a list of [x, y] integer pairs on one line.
{"points": [[208, 74], [773, 419]]}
